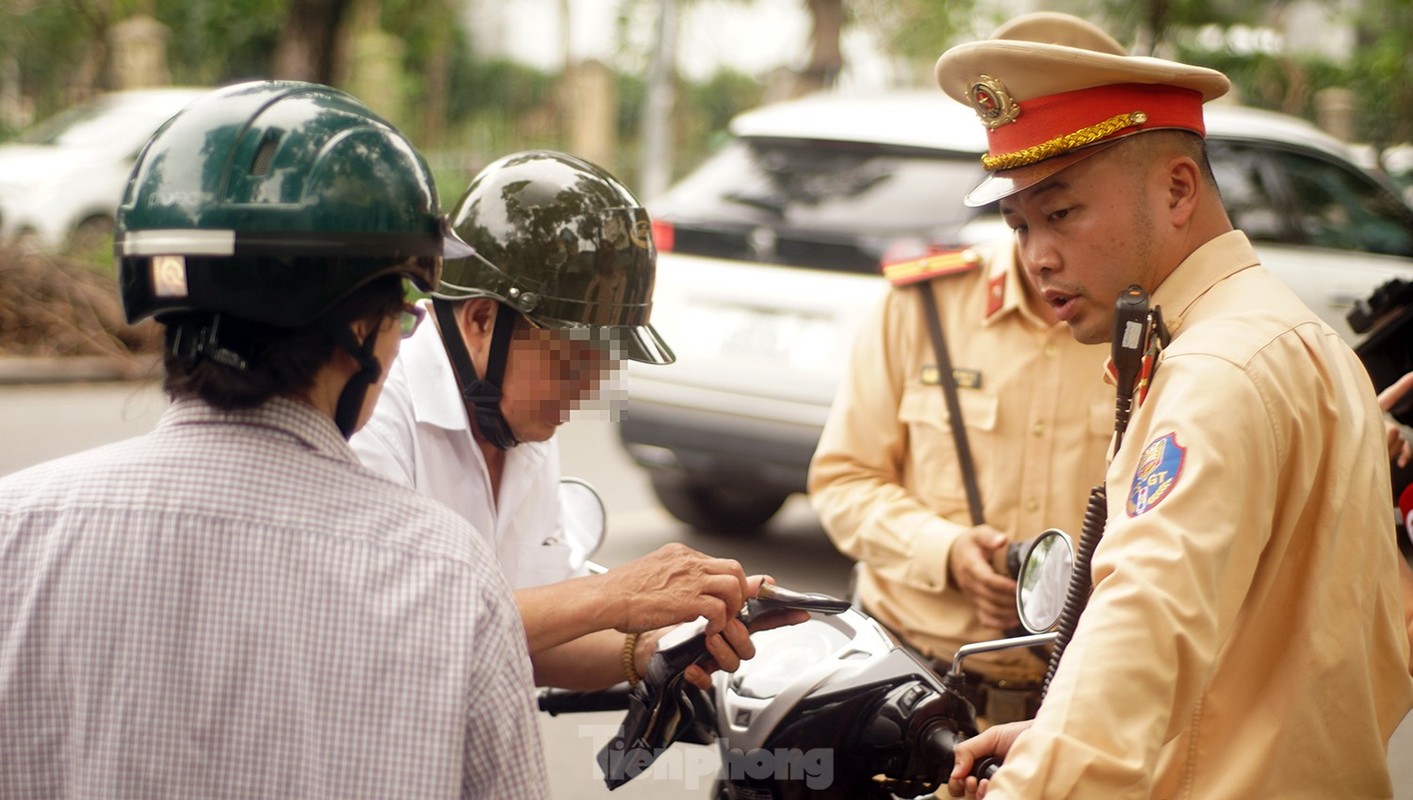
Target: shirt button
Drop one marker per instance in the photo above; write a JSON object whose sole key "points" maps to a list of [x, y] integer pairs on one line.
{"points": [[1039, 429], [1048, 350], [1032, 505]]}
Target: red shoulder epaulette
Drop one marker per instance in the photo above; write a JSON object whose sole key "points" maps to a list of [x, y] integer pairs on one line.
{"points": [[916, 270]]}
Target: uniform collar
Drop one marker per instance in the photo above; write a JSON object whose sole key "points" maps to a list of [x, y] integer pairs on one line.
{"points": [[1006, 288], [1215, 261]]}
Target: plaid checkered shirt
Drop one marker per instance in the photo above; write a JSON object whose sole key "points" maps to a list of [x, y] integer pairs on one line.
{"points": [[231, 606]]}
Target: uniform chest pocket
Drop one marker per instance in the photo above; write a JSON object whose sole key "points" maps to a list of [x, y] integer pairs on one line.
{"points": [[931, 450], [924, 404]]}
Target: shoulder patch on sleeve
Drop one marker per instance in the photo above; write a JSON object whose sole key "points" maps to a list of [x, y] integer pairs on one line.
{"points": [[917, 270], [1159, 467]]}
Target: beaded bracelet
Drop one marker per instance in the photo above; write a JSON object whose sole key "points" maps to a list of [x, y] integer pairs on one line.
{"points": [[630, 671]]}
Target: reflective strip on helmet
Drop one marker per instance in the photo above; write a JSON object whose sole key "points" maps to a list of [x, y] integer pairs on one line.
{"points": [[331, 244], [178, 241]]}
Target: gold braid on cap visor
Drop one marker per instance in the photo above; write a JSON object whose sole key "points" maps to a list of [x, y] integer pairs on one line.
{"points": [[1063, 144]]}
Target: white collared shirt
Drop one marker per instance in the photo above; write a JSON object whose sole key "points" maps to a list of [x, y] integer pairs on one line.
{"points": [[419, 436]]}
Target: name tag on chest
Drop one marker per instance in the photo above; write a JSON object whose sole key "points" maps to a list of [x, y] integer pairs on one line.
{"points": [[961, 378]]}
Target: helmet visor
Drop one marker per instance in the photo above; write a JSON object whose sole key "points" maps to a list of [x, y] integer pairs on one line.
{"points": [[640, 343]]}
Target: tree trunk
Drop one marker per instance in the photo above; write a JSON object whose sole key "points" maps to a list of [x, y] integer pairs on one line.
{"points": [[826, 56], [438, 87], [655, 164], [309, 43], [86, 75]]}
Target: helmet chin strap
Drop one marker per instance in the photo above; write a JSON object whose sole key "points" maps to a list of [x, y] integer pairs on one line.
{"points": [[481, 395], [350, 401]]}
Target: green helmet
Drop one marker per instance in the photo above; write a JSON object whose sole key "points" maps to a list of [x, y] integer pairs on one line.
{"points": [[562, 242], [271, 201]]}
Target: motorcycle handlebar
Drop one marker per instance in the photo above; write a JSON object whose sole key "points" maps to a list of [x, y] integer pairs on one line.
{"points": [[564, 701], [939, 747], [985, 768]]}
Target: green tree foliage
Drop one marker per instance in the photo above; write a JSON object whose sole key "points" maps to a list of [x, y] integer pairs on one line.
{"points": [[919, 30], [54, 44], [705, 110], [1149, 27], [1381, 72], [59, 45], [220, 42], [461, 100]]}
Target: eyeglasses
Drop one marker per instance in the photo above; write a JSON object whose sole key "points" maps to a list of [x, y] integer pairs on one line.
{"points": [[409, 318]]}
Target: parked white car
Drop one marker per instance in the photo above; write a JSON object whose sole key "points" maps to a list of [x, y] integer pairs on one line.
{"points": [[769, 254], [61, 181]]}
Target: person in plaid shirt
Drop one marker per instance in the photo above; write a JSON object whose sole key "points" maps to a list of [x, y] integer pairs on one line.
{"points": [[231, 605]]}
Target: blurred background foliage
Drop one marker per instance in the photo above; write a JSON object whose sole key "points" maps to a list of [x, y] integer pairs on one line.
{"points": [[464, 109]]}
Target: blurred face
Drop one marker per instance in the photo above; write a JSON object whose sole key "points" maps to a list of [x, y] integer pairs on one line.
{"points": [[1084, 235], [548, 373]]}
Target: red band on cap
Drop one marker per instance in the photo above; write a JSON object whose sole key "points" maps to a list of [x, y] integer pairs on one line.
{"points": [[1057, 115]]}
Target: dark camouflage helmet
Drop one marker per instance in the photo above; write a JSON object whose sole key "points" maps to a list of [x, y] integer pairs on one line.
{"points": [[272, 201], [561, 241]]}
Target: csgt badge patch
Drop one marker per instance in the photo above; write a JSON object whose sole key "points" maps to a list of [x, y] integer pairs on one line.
{"points": [[1159, 467]]}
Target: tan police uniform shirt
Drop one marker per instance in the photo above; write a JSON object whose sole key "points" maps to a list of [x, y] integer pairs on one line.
{"points": [[1244, 637], [885, 478]]}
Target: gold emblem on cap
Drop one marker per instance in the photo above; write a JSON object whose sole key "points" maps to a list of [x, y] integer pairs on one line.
{"points": [[993, 104]]}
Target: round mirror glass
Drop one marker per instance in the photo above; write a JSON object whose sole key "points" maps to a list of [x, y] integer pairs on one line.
{"points": [[1044, 580], [582, 514]]}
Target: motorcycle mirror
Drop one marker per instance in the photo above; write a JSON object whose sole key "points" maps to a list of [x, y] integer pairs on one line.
{"points": [[585, 520], [1044, 580]]}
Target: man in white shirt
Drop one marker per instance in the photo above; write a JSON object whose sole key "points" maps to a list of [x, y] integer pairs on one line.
{"points": [[548, 285]]}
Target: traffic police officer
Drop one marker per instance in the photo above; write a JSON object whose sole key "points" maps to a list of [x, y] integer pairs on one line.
{"points": [[1244, 635], [889, 480]]}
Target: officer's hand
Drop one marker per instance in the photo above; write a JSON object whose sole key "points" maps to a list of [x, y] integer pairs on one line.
{"points": [[1398, 448], [670, 585], [995, 740], [993, 595]]}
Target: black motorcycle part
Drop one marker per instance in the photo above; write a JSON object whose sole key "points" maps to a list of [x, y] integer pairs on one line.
{"points": [[664, 708], [891, 734], [563, 701]]}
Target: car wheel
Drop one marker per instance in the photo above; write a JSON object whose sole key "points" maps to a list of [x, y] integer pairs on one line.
{"points": [[92, 238], [715, 507]]}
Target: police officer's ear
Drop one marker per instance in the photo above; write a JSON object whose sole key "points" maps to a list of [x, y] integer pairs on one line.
{"points": [[1183, 187]]}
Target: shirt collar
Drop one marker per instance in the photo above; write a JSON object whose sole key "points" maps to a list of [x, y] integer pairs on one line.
{"points": [[1006, 288], [431, 383], [293, 418], [1215, 261], [422, 363]]}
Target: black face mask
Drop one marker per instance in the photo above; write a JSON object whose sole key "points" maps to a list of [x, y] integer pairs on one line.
{"points": [[480, 395]]}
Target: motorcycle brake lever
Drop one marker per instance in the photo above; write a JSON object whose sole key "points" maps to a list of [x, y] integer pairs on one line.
{"points": [[688, 645], [772, 597]]}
